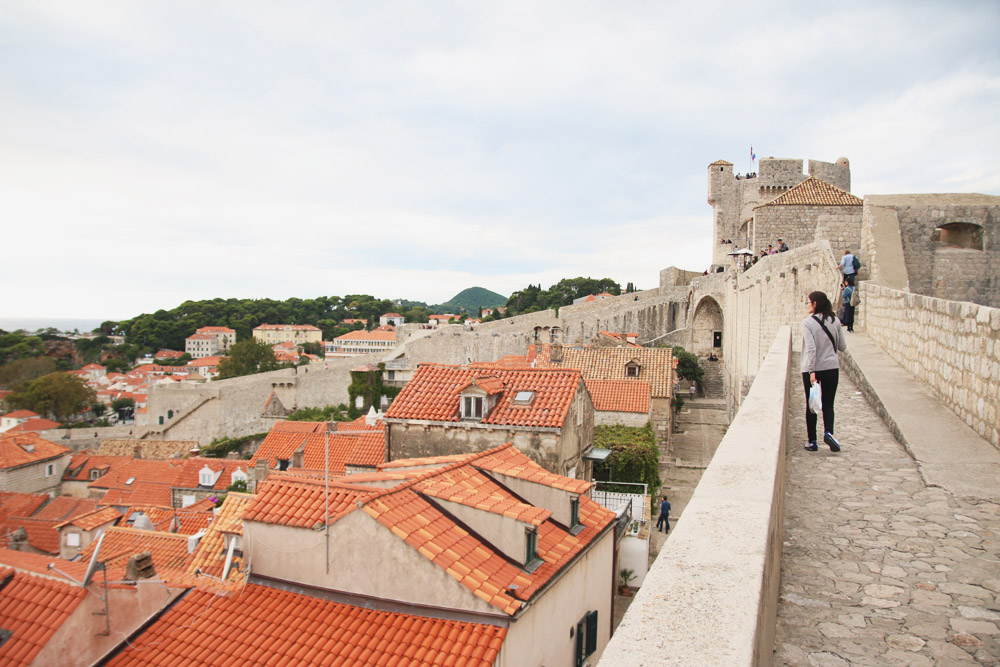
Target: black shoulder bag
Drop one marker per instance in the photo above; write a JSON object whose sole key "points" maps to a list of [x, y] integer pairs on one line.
{"points": [[828, 334]]}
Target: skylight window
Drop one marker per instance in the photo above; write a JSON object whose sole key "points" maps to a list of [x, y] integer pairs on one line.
{"points": [[524, 397], [129, 481]]}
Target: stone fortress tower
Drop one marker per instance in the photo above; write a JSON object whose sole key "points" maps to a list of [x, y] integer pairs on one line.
{"points": [[733, 200]]}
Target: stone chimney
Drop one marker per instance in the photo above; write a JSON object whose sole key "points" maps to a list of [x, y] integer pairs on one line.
{"points": [[140, 566], [298, 458], [556, 353], [257, 474], [137, 452]]}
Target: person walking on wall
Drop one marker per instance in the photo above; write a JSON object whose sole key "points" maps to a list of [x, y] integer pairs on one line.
{"points": [[822, 337], [847, 266], [847, 299], [694, 390], [663, 523]]}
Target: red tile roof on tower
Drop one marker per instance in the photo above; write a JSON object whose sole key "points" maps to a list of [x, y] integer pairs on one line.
{"points": [[32, 609], [264, 625], [814, 192], [619, 395], [18, 449], [433, 395]]}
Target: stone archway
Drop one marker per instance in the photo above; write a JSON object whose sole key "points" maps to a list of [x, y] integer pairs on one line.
{"points": [[706, 327]]}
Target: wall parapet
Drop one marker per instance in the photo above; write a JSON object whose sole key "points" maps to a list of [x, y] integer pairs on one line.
{"points": [[711, 596], [951, 346]]}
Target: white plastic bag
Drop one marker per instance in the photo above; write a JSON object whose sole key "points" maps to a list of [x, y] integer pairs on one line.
{"points": [[815, 399]]}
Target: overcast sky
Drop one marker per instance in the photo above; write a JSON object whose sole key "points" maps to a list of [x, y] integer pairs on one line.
{"points": [[153, 152]]}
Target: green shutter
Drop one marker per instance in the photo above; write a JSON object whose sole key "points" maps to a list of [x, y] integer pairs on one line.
{"points": [[591, 632]]}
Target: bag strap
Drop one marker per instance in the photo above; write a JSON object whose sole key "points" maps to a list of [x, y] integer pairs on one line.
{"points": [[828, 334]]}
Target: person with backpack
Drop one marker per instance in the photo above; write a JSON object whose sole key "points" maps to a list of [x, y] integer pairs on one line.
{"points": [[849, 300], [822, 337], [849, 265]]}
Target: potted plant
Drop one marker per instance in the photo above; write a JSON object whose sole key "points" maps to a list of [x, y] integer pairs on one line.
{"points": [[626, 575]]}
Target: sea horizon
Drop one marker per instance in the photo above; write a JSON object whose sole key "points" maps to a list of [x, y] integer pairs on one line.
{"points": [[64, 324]]}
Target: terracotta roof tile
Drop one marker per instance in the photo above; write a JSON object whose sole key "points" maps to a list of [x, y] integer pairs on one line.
{"points": [[65, 507], [619, 395], [350, 444], [719, 163], [181, 521], [609, 363], [20, 414], [270, 626], [434, 394], [211, 552], [82, 463], [814, 192], [20, 504], [34, 425], [93, 519], [32, 608], [17, 449], [168, 550], [299, 502]]}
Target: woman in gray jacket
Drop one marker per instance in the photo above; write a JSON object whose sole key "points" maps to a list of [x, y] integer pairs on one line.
{"points": [[822, 337]]}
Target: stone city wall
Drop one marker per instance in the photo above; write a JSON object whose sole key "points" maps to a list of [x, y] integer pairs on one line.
{"points": [[951, 346], [648, 313], [711, 596], [768, 296], [935, 268]]}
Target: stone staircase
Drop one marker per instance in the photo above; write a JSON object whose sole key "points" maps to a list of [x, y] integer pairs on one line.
{"points": [[712, 384]]}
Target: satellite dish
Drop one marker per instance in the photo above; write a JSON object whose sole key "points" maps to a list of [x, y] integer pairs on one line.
{"points": [[92, 566]]}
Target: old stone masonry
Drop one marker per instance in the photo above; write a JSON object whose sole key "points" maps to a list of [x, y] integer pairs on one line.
{"points": [[878, 568]]}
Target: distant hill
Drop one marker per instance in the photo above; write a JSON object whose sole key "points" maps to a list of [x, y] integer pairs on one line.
{"points": [[470, 300]]}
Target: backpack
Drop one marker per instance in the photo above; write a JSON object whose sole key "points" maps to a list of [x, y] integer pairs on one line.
{"points": [[855, 299], [857, 263]]}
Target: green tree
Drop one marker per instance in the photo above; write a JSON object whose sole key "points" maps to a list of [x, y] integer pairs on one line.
{"points": [[98, 409], [329, 413], [687, 365], [115, 365], [25, 370], [246, 358], [56, 395], [634, 455]]}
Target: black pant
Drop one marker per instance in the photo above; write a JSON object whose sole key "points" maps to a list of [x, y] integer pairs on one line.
{"points": [[828, 385], [848, 320]]}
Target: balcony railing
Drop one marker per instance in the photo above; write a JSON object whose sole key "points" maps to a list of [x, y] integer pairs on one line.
{"points": [[628, 500]]}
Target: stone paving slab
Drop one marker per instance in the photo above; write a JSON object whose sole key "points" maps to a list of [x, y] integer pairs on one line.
{"points": [[948, 453], [878, 568]]}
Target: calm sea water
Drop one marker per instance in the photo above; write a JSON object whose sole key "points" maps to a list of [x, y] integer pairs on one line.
{"points": [[60, 323]]}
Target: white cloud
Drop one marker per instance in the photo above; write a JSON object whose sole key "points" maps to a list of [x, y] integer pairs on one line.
{"points": [[158, 152]]}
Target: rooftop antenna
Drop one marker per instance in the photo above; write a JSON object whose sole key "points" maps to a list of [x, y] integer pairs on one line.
{"points": [[92, 566]]}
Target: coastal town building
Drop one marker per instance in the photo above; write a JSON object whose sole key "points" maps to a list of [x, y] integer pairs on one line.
{"points": [[31, 464], [225, 336], [287, 333], [489, 537], [355, 343], [201, 345], [391, 319], [451, 410]]}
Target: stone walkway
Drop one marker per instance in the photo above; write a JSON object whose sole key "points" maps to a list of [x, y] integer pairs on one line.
{"points": [[877, 568]]}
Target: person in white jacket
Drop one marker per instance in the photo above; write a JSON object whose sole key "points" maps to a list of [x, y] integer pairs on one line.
{"points": [[822, 337]]}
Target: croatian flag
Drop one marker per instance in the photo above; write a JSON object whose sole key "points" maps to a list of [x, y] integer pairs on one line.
{"points": [[753, 156]]}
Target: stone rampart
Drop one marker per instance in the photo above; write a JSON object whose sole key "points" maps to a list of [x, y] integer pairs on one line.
{"points": [[952, 346], [949, 244], [711, 596], [801, 225], [648, 313]]}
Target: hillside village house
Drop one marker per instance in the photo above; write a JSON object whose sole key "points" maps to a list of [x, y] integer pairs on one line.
{"points": [[287, 333], [448, 410], [391, 319], [201, 345], [31, 464], [355, 343], [489, 537], [225, 336]]}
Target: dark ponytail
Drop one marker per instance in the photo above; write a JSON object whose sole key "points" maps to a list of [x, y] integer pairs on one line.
{"points": [[823, 306]]}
